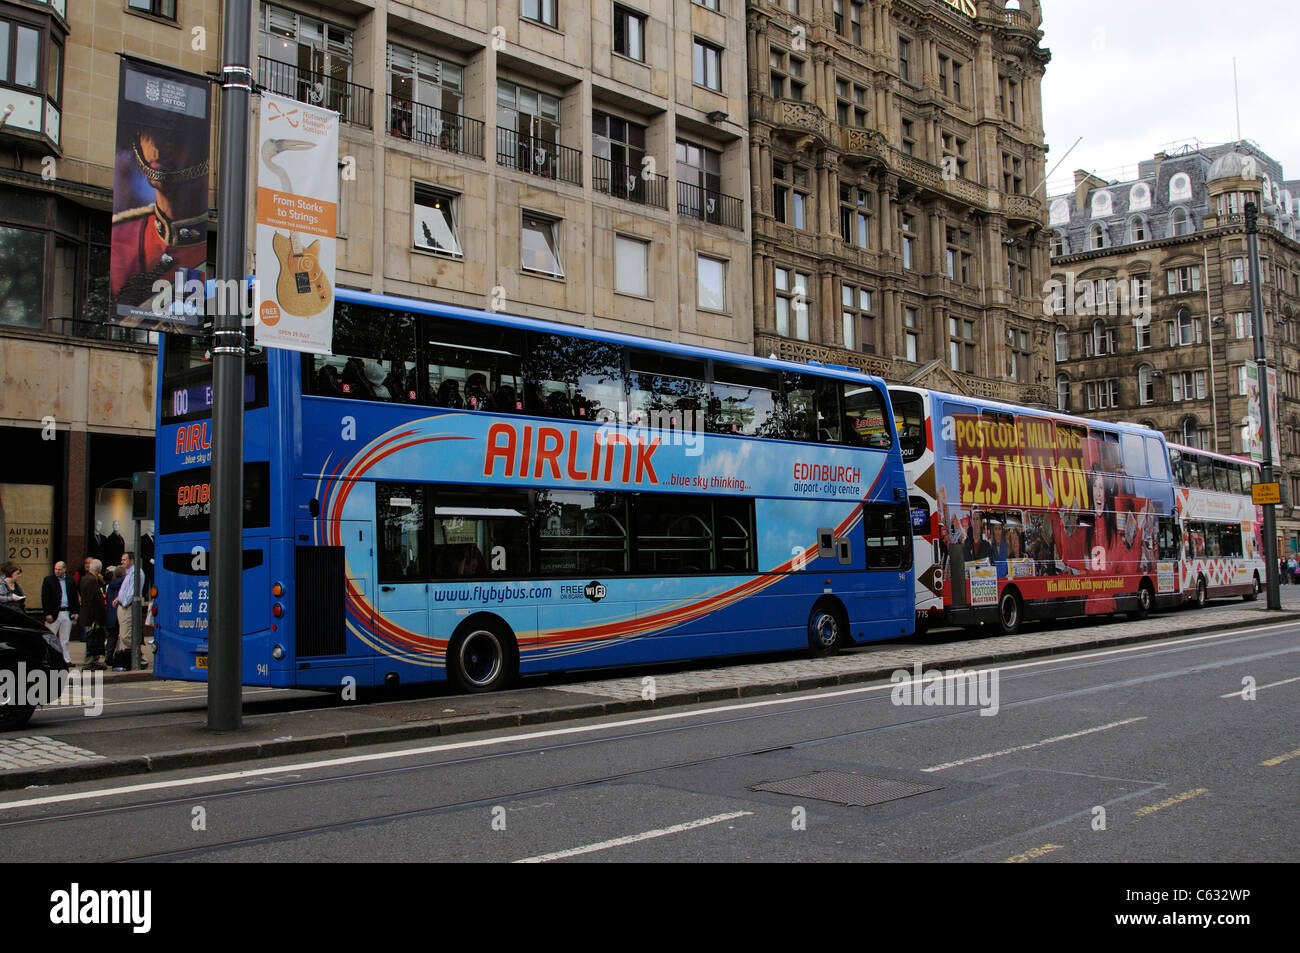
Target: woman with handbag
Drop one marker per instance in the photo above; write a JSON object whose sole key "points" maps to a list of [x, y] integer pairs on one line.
{"points": [[10, 591]]}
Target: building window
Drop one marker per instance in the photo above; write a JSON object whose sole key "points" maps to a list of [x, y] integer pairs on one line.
{"points": [[1187, 385], [855, 216], [1184, 330], [158, 8], [954, 155], [1057, 244], [629, 33], [850, 106], [1146, 385], [905, 59], [418, 78], [1017, 354], [910, 337], [785, 75], [631, 266], [713, 5], [1137, 230], [1062, 393], [22, 262], [541, 11], [1238, 271], [790, 194], [1140, 294], [909, 240], [909, 137], [707, 65], [435, 221], [961, 345], [1062, 344], [1096, 237], [855, 313], [1193, 435], [1180, 222], [533, 120], [1184, 280], [791, 298], [310, 60], [855, 23], [1017, 269], [1013, 174], [1243, 381], [712, 290], [958, 254], [1101, 395], [1143, 329], [541, 247], [1243, 323], [1008, 96], [618, 152]]}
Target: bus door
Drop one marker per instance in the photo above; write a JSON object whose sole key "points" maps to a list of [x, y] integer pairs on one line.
{"points": [[401, 598], [333, 572]]}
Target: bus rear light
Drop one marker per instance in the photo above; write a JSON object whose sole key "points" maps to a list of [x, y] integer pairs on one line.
{"points": [[153, 592], [277, 610], [277, 590], [153, 609]]}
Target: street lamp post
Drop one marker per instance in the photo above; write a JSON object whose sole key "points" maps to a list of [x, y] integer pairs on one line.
{"points": [[1261, 363]]}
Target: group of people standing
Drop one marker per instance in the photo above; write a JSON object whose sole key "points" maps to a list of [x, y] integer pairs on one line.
{"points": [[97, 602]]}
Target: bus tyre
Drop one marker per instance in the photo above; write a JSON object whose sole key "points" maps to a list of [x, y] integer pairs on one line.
{"points": [[1144, 602], [1254, 590], [1202, 593], [482, 656], [827, 629], [1010, 612]]}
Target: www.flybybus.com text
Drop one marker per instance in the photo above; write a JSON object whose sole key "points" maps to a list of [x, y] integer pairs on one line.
{"points": [[1166, 915]]}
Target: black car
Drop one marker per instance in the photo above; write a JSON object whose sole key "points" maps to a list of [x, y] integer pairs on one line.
{"points": [[25, 646]]}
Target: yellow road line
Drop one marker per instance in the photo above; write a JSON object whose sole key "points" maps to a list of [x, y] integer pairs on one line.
{"points": [[1033, 854], [1274, 762], [1170, 802]]}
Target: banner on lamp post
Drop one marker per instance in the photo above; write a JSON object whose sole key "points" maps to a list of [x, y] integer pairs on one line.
{"points": [[297, 224]]}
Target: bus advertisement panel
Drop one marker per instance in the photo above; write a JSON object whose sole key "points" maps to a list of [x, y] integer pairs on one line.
{"points": [[456, 494], [1034, 514]]}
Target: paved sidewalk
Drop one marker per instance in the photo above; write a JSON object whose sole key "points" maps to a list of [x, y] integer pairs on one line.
{"points": [[92, 748]]}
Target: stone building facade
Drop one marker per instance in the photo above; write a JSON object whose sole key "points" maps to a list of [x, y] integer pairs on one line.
{"points": [[1150, 291], [897, 161]]}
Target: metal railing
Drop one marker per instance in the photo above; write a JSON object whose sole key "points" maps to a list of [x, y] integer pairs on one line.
{"points": [[538, 156], [710, 206], [97, 331], [628, 182], [350, 100], [434, 127]]}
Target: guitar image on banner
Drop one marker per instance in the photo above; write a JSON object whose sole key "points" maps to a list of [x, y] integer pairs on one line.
{"points": [[301, 288]]}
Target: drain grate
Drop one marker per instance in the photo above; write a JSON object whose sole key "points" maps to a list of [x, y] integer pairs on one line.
{"points": [[852, 790]]}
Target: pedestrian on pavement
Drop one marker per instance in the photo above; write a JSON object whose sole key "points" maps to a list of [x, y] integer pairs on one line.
{"points": [[59, 602], [1286, 569], [132, 583], [11, 592], [112, 585], [1295, 570], [93, 614]]}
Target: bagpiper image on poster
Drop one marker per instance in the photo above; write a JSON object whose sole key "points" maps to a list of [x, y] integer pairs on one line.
{"points": [[297, 217], [160, 197]]}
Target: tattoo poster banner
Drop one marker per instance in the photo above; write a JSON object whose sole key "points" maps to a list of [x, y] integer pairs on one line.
{"points": [[297, 217], [158, 267]]}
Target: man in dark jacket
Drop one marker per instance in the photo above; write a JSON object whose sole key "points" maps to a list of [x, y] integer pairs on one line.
{"points": [[93, 614], [60, 605]]}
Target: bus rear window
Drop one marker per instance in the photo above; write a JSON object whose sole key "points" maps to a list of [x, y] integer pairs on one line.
{"points": [[909, 417], [865, 422]]}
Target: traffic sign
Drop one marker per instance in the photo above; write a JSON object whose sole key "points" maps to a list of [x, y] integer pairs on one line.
{"points": [[1261, 494]]}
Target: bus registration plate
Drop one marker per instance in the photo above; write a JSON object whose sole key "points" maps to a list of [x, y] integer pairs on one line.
{"points": [[200, 661]]}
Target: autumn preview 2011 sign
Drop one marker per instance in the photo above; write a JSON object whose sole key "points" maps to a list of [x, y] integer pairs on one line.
{"points": [[297, 224]]}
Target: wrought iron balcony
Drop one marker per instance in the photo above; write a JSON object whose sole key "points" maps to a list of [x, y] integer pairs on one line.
{"points": [[628, 182], [435, 127], [710, 206], [349, 100], [538, 156]]}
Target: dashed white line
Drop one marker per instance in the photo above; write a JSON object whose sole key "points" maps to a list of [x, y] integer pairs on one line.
{"points": [[1035, 744], [633, 838]]}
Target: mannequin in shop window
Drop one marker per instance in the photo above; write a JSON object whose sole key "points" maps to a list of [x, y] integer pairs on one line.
{"points": [[95, 545], [114, 545]]}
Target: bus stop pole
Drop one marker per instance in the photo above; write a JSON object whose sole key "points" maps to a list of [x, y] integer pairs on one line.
{"points": [[1261, 362], [225, 560]]}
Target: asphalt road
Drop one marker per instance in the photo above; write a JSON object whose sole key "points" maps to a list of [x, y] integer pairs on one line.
{"points": [[1139, 753]]}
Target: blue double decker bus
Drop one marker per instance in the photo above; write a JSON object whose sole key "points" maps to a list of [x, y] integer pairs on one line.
{"points": [[464, 495]]}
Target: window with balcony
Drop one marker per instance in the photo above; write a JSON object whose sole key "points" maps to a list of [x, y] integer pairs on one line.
{"points": [[706, 63], [791, 300], [618, 161], [528, 133], [426, 93], [310, 60], [1013, 174], [955, 160], [699, 183], [629, 33], [541, 245], [540, 11]]}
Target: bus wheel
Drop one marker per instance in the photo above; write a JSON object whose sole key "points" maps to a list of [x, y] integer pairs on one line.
{"points": [[482, 656], [1009, 612], [1202, 593], [1254, 590], [1144, 602], [827, 629]]}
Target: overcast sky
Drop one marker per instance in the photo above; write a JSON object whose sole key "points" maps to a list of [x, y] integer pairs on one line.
{"points": [[1131, 76]]}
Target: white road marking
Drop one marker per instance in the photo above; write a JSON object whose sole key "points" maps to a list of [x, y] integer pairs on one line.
{"points": [[634, 838], [577, 729], [1241, 694], [1035, 744]]}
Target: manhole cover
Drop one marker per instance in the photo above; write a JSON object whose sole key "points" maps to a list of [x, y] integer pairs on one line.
{"points": [[853, 790]]}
